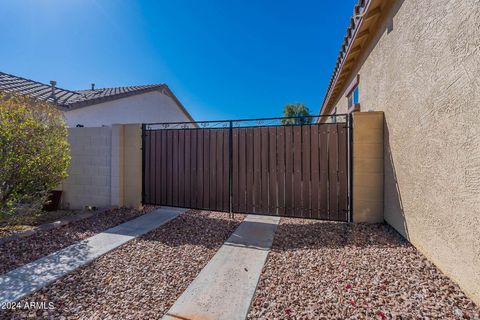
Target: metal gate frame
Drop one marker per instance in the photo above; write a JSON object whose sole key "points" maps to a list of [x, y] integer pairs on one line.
{"points": [[255, 123]]}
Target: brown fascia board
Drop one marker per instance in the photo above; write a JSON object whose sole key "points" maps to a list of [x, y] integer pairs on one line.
{"points": [[373, 13], [351, 46]]}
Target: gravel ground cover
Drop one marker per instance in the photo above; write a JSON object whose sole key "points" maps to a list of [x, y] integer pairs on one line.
{"points": [[139, 280], [323, 270], [18, 252]]}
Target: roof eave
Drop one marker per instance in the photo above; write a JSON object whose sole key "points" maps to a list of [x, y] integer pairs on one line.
{"points": [[358, 34]]}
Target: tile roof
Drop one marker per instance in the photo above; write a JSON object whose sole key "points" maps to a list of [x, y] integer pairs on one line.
{"points": [[22, 86], [358, 11], [69, 99]]}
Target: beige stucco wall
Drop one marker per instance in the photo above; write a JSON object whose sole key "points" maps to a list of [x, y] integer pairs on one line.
{"points": [[141, 108], [133, 165], [423, 71]]}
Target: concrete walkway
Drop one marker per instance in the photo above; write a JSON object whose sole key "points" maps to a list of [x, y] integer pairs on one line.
{"points": [[26, 279], [224, 289]]}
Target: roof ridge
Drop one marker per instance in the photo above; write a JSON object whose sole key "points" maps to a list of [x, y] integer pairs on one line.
{"points": [[130, 86]]}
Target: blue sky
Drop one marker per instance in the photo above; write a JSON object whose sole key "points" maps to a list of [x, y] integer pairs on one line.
{"points": [[223, 59]]}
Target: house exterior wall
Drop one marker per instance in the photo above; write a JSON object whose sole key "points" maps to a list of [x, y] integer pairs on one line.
{"points": [[147, 107], [423, 71]]}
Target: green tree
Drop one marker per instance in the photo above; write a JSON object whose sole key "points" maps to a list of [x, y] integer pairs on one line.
{"points": [[34, 153], [296, 110]]}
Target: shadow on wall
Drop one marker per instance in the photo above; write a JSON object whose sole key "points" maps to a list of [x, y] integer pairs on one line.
{"points": [[393, 205]]}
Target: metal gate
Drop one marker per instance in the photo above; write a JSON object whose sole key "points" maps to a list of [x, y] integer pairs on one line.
{"points": [[277, 166]]}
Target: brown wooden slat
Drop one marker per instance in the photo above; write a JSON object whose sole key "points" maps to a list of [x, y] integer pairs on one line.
{"points": [[147, 169], [242, 165], [257, 177], [226, 169], [289, 150], [332, 171], [297, 175], [158, 166], [163, 175], [342, 171], [281, 169], [219, 170], [206, 168], [315, 174], [169, 167], [212, 170], [264, 157], [323, 156], [194, 172], [249, 187], [188, 169], [272, 171], [175, 166], [181, 168], [306, 172], [200, 169], [235, 170], [152, 166]]}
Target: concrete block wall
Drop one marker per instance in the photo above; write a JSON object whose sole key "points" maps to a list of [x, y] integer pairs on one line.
{"points": [[88, 181], [105, 169], [117, 165], [368, 167]]}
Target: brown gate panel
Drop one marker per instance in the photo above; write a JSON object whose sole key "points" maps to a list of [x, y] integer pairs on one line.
{"points": [[285, 170]]}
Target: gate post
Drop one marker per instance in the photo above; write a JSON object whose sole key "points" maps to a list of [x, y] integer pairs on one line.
{"points": [[367, 167]]}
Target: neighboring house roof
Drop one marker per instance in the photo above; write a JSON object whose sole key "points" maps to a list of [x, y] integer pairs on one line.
{"points": [[22, 86], [365, 15], [68, 99]]}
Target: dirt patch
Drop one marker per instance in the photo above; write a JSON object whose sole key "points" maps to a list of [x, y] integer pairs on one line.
{"points": [[10, 225], [324, 270], [141, 279], [18, 252]]}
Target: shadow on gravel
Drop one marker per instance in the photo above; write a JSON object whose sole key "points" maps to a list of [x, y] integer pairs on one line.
{"points": [[310, 234]]}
